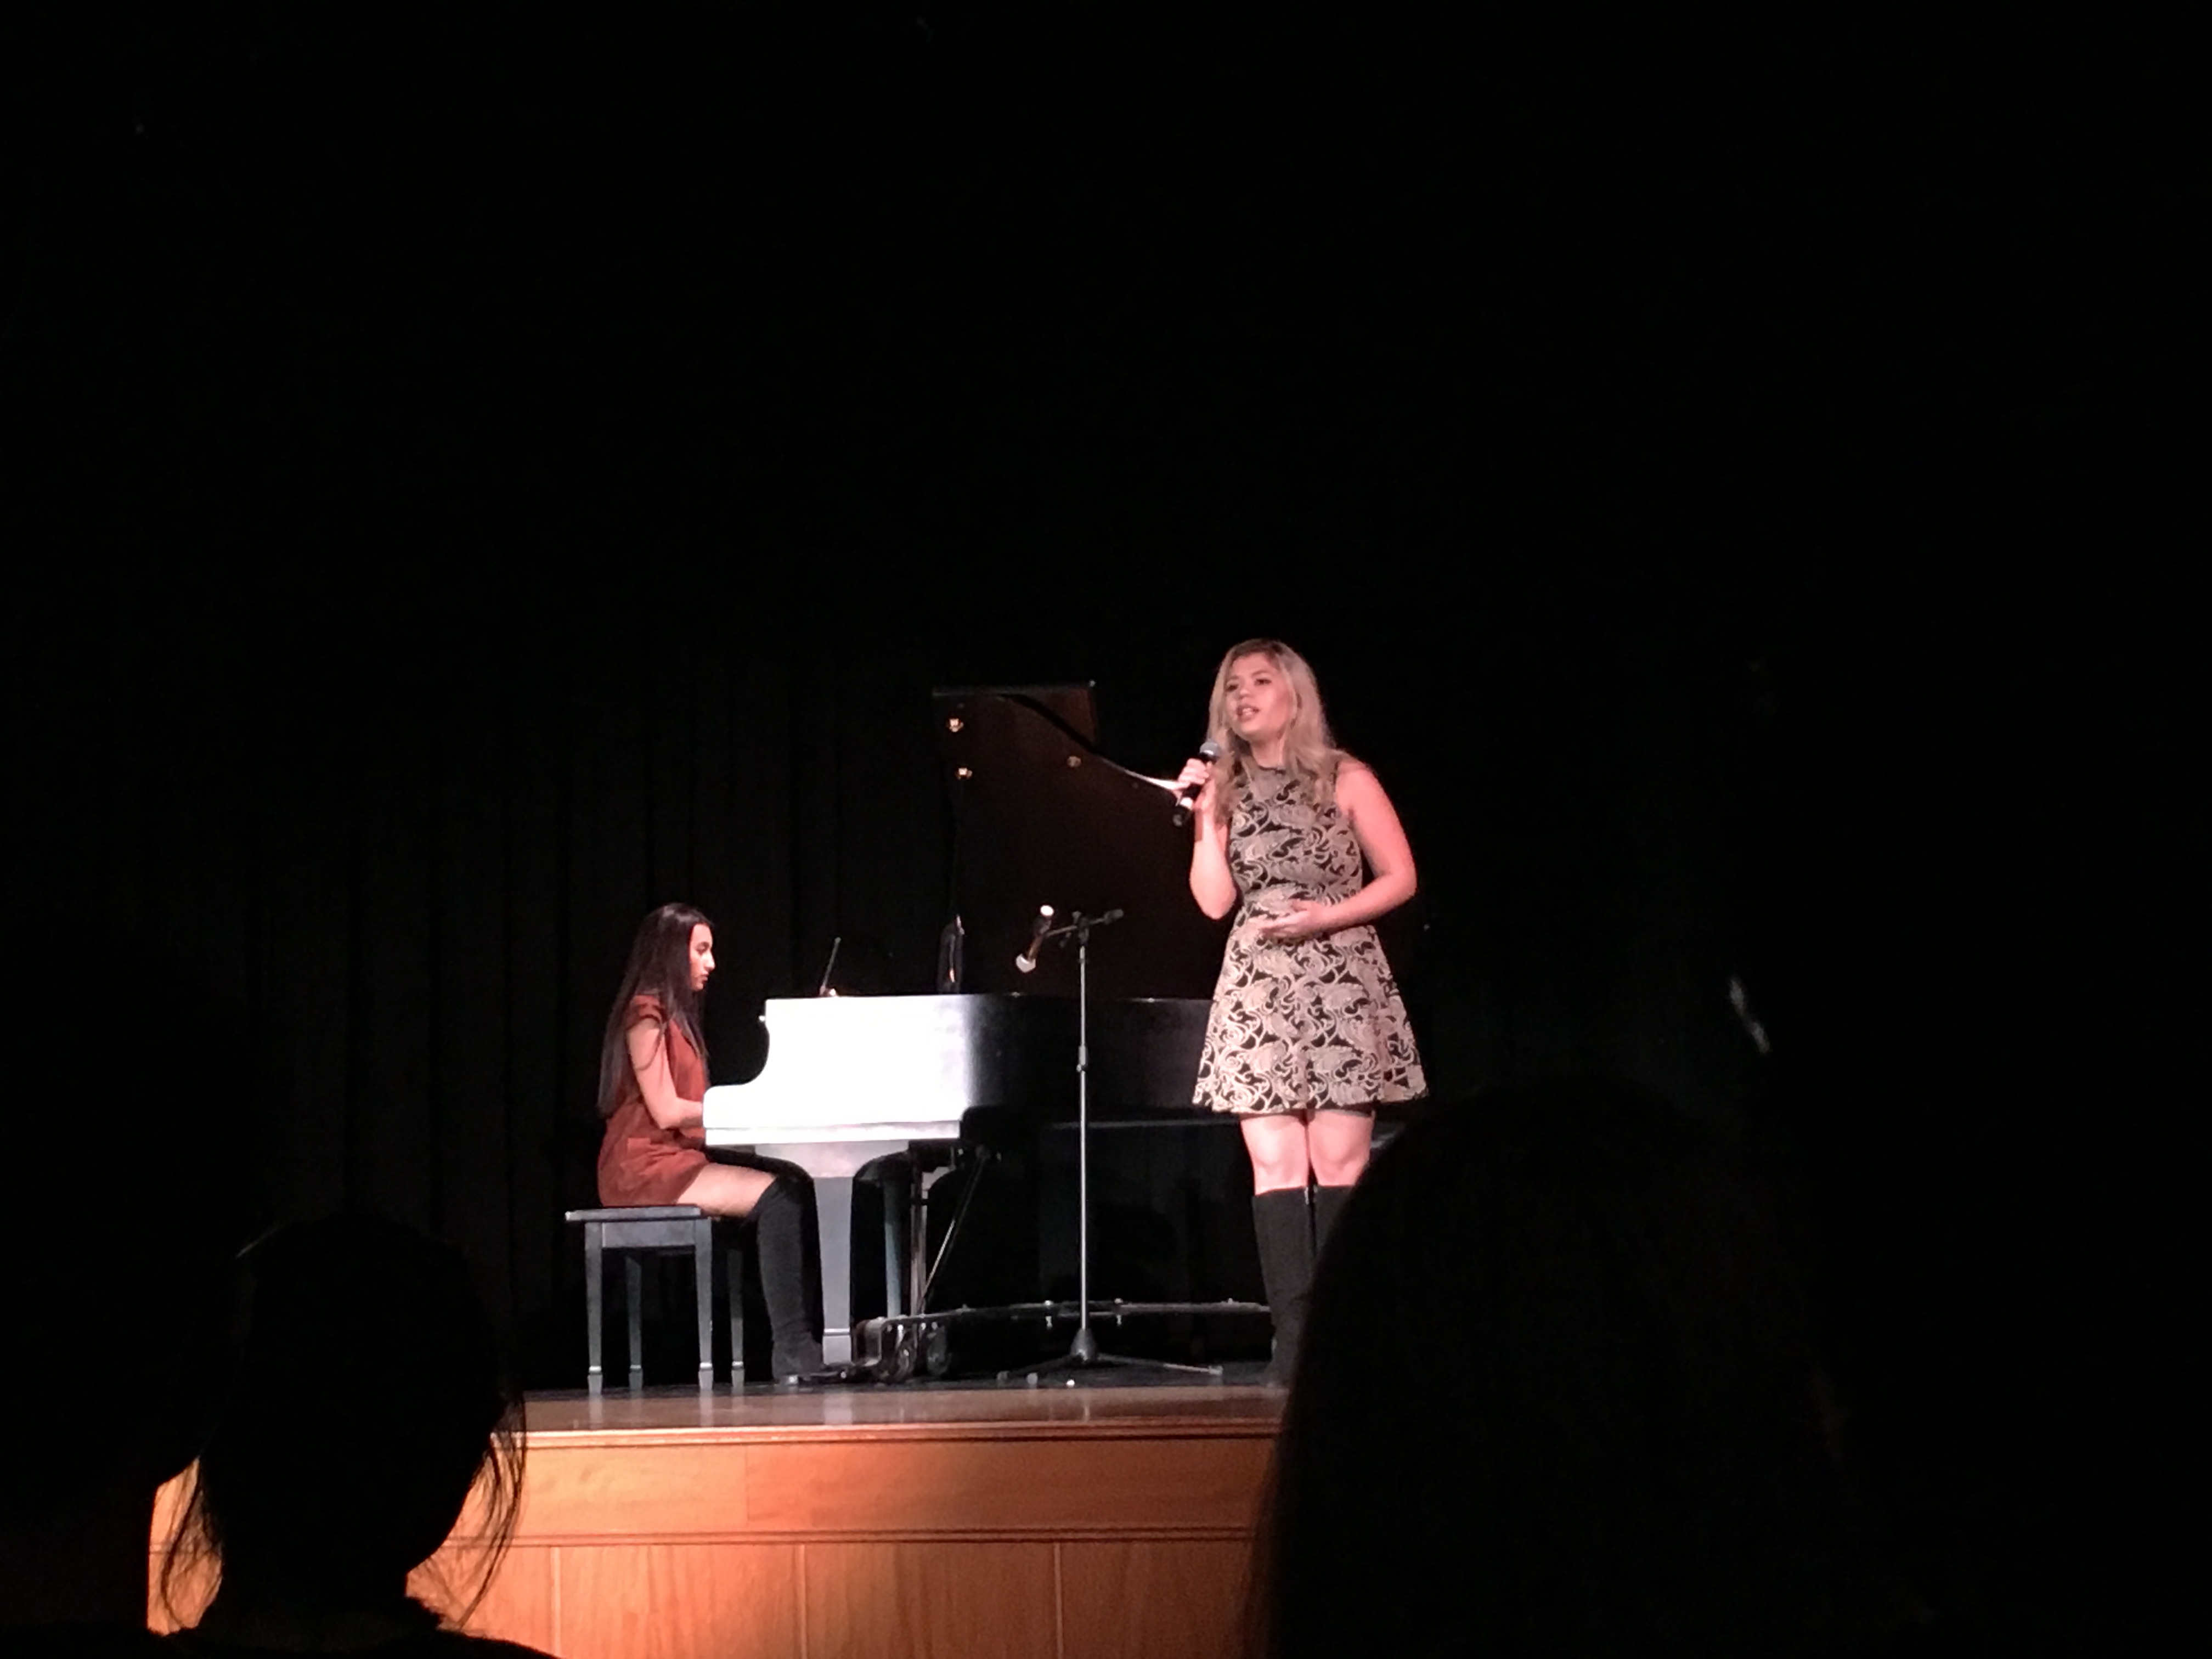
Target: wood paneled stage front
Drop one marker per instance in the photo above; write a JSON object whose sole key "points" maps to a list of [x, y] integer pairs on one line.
{"points": [[1111, 1518]]}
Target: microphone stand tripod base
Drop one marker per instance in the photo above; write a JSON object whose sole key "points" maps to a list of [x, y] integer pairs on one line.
{"points": [[1084, 1353], [1076, 1360]]}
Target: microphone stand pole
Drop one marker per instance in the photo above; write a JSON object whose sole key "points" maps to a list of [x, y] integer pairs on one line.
{"points": [[1084, 1352]]}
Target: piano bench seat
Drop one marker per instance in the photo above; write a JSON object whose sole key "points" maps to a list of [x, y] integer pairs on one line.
{"points": [[662, 1229]]}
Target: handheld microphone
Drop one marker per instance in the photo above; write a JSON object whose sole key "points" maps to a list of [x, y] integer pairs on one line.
{"points": [[1187, 797], [1027, 960]]}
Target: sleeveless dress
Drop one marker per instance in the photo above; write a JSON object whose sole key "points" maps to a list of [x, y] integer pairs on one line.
{"points": [[640, 1162], [1301, 1024]]}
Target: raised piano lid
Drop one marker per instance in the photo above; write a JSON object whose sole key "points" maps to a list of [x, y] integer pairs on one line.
{"points": [[893, 1068], [1040, 816]]}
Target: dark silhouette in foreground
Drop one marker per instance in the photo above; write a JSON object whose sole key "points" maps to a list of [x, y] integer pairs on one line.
{"points": [[132, 1186], [1559, 1397], [365, 1398]]}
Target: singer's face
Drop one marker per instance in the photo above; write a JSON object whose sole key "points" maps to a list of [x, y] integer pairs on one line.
{"points": [[703, 955], [1259, 701]]}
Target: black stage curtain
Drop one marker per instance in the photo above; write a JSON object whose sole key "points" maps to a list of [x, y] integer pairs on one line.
{"points": [[475, 475], [486, 476], [409, 862]]}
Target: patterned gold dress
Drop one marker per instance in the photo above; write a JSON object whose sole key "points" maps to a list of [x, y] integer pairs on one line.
{"points": [[1307, 1023]]}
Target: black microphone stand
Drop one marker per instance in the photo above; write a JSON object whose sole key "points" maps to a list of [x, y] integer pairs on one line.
{"points": [[1084, 1352]]}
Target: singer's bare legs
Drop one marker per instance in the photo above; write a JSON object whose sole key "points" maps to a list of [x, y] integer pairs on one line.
{"points": [[1289, 1149], [727, 1189]]}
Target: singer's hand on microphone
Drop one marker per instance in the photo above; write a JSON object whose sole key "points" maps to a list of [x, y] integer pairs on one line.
{"points": [[1197, 776]]}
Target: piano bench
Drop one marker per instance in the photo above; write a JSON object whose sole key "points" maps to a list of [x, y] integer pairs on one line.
{"points": [[661, 1230]]}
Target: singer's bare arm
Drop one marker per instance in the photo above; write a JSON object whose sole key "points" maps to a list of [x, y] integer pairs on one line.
{"points": [[1211, 883], [1390, 880], [649, 1058]]}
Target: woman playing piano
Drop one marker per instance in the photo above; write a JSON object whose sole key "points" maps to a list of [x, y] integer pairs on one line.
{"points": [[653, 1082], [1307, 1034]]}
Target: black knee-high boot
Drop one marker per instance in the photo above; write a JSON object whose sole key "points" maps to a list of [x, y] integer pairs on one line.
{"points": [[778, 1224], [1287, 1259], [1328, 1204]]}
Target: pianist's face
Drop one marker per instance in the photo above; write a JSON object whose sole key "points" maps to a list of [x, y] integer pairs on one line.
{"points": [[1259, 700], [703, 955]]}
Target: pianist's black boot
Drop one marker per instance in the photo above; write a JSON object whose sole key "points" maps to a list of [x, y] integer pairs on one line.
{"points": [[1286, 1260], [1328, 1204], [779, 1239]]}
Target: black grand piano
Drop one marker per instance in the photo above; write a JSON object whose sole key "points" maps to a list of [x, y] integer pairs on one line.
{"points": [[1040, 819]]}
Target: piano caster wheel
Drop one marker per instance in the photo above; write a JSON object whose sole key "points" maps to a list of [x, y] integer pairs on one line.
{"points": [[937, 1350], [898, 1365]]}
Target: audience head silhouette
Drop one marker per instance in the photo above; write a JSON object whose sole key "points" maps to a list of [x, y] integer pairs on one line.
{"points": [[112, 1266], [366, 1399], [1559, 1396]]}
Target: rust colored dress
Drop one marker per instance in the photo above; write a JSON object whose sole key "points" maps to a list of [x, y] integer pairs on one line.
{"points": [[640, 1162]]}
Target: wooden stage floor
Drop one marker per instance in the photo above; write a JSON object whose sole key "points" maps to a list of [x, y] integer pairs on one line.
{"points": [[1113, 1517], [1100, 1398]]}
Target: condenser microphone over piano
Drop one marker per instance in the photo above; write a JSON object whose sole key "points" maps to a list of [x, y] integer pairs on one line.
{"points": [[1027, 960]]}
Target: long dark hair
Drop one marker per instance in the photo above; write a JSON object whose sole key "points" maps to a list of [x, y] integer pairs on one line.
{"points": [[365, 1399], [660, 968]]}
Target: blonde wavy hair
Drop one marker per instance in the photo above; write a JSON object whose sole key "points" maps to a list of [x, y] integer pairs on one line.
{"points": [[1309, 751]]}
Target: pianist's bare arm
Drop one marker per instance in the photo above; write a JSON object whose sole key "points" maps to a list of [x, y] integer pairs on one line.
{"points": [[649, 1058], [1390, 879], [1211, 883]]}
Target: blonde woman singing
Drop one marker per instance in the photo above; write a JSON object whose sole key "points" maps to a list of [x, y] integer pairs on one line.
{"points": [[1307, 1034]]}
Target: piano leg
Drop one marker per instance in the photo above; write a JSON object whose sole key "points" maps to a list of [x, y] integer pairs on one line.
{"points": [[897, 1179], [917, 1240], [833, 1204]]}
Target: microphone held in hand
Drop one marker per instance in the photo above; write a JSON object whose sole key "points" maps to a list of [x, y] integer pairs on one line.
{"points": [[1026, 962], [1187, 797]]}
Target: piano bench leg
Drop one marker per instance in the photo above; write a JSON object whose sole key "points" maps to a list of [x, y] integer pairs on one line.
{"points": [[595, 1305], [634, 1283], [703, 1276]]}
